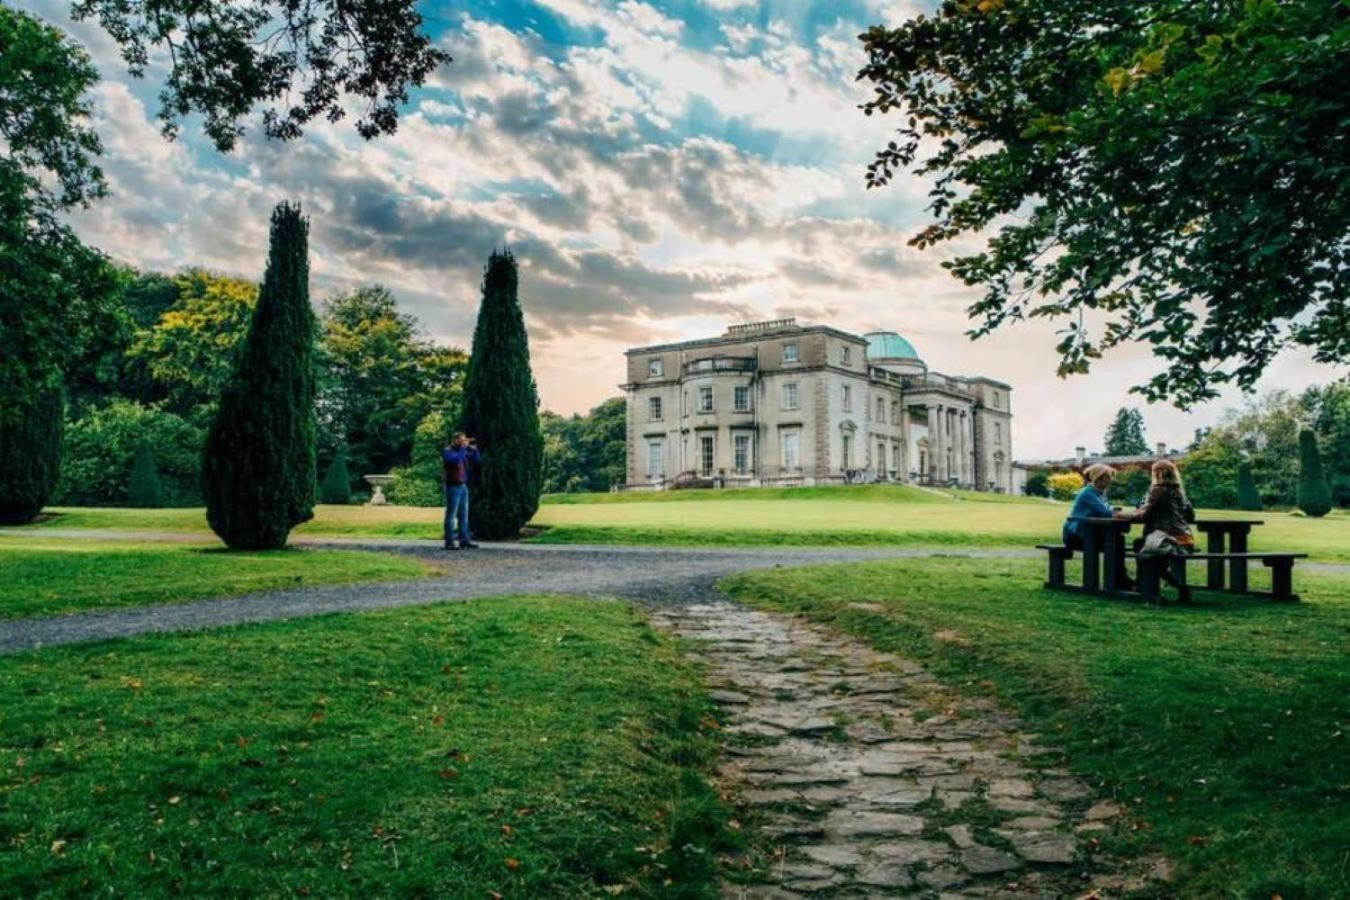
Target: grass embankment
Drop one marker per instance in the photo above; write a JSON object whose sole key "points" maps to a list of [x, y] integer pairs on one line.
{"points": [[862, 515], [529, 747], [1221, 725], [41, 577]]}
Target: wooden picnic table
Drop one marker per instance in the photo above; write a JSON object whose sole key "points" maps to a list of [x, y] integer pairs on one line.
{"points": [[1227, 536]]}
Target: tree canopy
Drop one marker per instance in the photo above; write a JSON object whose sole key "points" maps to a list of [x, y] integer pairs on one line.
{"points": [[297, 59], [1125, 434], [1163, 171], [379, 377]]}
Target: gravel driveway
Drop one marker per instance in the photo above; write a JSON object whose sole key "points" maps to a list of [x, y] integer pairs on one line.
{"points": [[650, 574]]}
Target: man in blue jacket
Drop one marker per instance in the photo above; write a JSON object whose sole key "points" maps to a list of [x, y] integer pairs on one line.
{"points": [[456, 461]]}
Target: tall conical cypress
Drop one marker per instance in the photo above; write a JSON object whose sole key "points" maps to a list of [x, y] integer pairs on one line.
{"points": [[337, 483], [1248, 497], [501, 410], [30, 450], [1314, 494], [144, 490], [258, 466]]}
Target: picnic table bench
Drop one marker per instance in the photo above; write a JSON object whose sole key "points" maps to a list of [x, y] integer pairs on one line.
{"points": [[1226, 558]]}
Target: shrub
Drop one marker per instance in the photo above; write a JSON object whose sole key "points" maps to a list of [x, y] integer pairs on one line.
{"points": [[258, 464], [1211, 475], [144, 489], [501, 409], [1248, 497], [1130, 486], [337, 484], [1314, 494], [1063, 485], [30, 450], [1038, 484], [419, 484], [101, 449]]}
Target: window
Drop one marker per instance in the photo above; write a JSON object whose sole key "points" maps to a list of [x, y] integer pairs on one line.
{"points": [[881, 410], [881, 459], [895, 412], [654, 409], [655, 368], [655, 461], [706, 446], [790, 396], [740, 398], [848, 399], [895, 457], [705, 399], [998, 434], [848, 452], [792, 444], [790, 353], [846, 354], [742, 454]]}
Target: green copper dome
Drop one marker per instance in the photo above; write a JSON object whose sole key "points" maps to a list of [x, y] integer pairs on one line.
{"points": [[888, 345]]}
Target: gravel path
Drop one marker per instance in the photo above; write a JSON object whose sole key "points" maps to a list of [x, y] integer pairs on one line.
{"points": [[649, 574]]}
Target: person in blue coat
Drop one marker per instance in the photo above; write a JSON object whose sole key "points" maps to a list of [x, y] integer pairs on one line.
{"points": [[457, 461], [1091, 503]]}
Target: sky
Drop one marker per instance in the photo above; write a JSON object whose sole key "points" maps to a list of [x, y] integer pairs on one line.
{"points": [[660, 169]]}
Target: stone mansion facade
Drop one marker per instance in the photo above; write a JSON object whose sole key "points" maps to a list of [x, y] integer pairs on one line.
{"points": [[778, 403]]}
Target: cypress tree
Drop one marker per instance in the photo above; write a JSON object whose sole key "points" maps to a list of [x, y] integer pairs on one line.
{"points": [[30, 450], [258, 466], [1314, 494], [501, 409], [144, 491], [1247, 495], [337, 484]]}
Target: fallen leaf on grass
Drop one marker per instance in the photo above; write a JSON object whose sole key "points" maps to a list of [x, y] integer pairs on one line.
{"points": [[511, 863], [58, 847]]}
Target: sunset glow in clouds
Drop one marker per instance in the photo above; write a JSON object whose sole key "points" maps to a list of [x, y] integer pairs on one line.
{"points": [[659, 169]]}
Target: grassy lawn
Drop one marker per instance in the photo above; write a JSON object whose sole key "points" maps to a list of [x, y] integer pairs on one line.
{"points": [[863, 515], [47, 577], [527, 747], [1222, 725]]}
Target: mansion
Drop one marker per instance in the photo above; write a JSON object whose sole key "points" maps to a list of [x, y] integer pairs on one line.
{"points": [[778, 403]]}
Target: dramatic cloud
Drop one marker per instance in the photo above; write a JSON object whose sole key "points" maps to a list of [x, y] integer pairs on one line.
{"points": [[659, 169]]}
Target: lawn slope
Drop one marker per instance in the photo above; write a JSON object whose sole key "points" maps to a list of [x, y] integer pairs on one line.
{"points": [[1222, 725], [527, 747], [48, 577]]}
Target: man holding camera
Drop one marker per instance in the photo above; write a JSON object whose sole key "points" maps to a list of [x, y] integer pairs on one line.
{"points": [[456, 461]]}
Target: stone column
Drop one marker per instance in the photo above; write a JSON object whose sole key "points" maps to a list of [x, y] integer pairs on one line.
{"points": [[939, 444], [965, 447]]}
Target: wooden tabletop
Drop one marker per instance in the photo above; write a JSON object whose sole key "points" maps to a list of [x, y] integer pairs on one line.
{"points": [[1222, 523]]}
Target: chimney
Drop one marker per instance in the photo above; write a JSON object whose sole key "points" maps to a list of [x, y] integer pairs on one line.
{"points": [[1082, 454], [1162, 449]]}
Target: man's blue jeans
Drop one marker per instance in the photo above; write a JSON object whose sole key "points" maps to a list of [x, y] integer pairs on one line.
{"points": [[457, 513]]}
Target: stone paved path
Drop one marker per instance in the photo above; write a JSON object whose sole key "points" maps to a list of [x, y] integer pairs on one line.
{"points": [[871, 782]]}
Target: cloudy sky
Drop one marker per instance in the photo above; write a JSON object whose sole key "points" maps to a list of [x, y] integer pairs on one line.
{"points": [[660, 169]]}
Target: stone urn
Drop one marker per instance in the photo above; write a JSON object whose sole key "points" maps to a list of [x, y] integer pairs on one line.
{"points": [[378, 482]]}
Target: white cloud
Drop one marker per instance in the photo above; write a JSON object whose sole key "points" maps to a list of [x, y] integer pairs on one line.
{"points": [[629, 227]]}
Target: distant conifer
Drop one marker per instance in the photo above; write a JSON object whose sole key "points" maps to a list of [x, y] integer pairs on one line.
{"points": [[1248, 497], [501, 409], [144, 490], [258, 464], [1314, 494], [30, 450], [337, 483]]}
